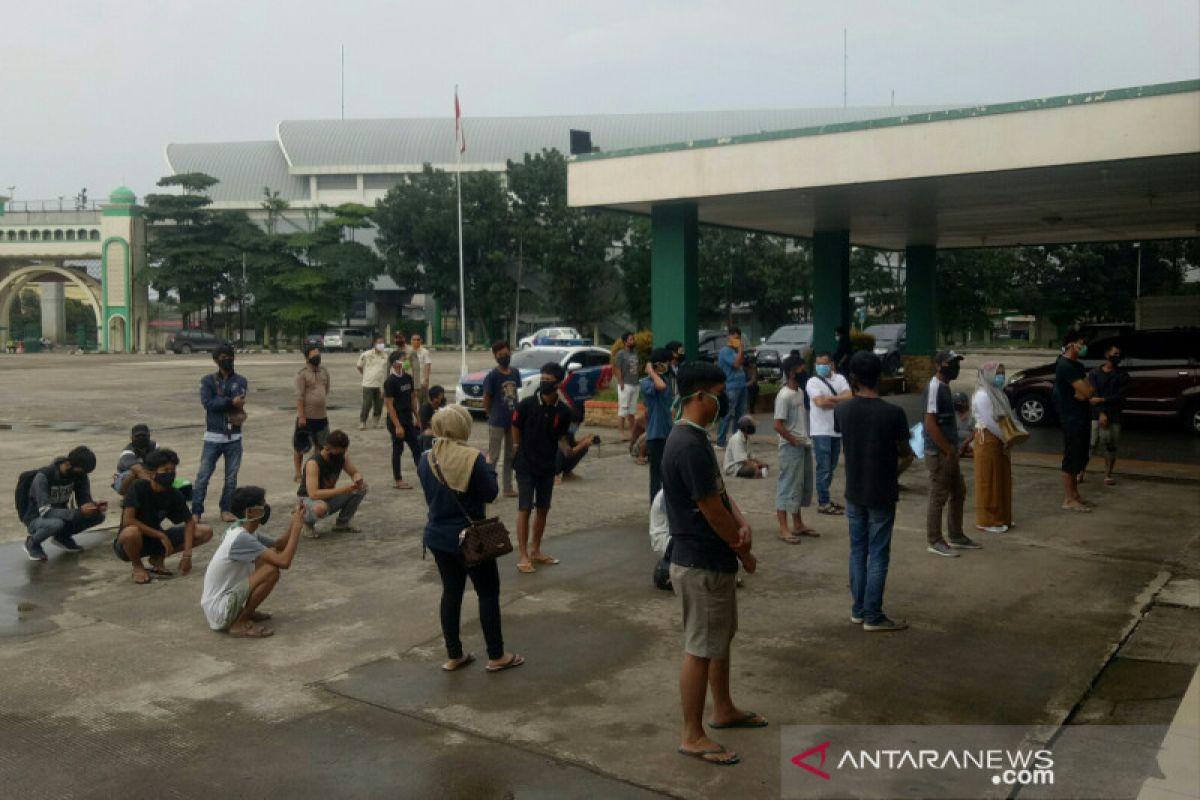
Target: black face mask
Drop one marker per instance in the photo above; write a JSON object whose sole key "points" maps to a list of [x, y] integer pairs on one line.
{"points": [[548, 388], [266, 515], [225, 364], [165, 479], [504, 361], [1114, 360], [951, 370], [337, 461], [315, 361], [141, 443]]}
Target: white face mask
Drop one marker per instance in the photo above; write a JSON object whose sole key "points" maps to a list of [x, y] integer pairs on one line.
{"points": [[380, 347]]}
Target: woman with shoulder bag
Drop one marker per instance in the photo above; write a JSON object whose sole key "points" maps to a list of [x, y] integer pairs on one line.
{"points": [[997, 429], [459, 483]]}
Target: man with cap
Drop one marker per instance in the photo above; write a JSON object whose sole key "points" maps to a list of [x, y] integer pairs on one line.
{"points": [[129, 465], [941, 457], [658, 392]]}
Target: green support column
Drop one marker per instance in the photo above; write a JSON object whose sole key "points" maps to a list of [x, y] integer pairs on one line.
{"points": [[831, 287], [674, 281], [920, 299], [436, 333]]}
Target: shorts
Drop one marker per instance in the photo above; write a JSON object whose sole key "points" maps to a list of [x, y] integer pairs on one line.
{"points": [[627, 400], [710, 616], [153, 548], [1105, 440], [313, 433], [534, 490], [1076, 441], [228, 607]]}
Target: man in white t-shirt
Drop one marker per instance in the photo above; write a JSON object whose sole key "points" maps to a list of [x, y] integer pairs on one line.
{"points": [[246, 567], [826, 390], [795, 455]]}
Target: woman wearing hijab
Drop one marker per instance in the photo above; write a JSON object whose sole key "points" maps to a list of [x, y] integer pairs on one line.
{"points": [[455, 477], [993, 465]]}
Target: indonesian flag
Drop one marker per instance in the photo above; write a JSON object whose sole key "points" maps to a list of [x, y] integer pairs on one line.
{"points": [[460, 137]]}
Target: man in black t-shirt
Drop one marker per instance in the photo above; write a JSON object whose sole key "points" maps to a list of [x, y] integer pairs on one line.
{"points": [[539, 423], [399, 395], [1111, 384], [874, 441], [147, 504], [709, 536], [1072, 395], [437, 399]]}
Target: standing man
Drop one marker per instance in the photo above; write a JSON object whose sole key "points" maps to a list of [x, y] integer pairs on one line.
{"points": [[658, 390], [825, 391], [401, 399], [373, 367], [500, 388], [1072, 395], [539, 423], [795, 487], [732, 360], [942, 459], [1111, 386], [321, 495], [312, 420], [625, 370], [709, 536], [437, 399], [876, 436], [223, 395], [46, 511], [422, 367]]}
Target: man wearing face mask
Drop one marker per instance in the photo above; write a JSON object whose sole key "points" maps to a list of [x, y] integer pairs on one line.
{"points": [[46, 511], [1072, 396], [1111, 385], [312, 419], [147, 504], [658, 392], [708, 537], [500, 388], [539, 424], [399, 393], [941, 457], [129, 464], [246, 567], [223, 395], [826, 391], [319, 492], [373, 366]]}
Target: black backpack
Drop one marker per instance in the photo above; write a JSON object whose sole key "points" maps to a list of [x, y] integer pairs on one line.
{"points": [[24, 484]]}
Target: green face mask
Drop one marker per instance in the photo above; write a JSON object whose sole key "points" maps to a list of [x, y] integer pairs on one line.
{"points": [[677, 410]]}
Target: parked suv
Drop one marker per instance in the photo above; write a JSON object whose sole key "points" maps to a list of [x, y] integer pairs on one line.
{"points": [[1164, 372], [347, 339], [190, 340]]}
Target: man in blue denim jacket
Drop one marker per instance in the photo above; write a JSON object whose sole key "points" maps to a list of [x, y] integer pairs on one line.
{"points": [[221, 393]]}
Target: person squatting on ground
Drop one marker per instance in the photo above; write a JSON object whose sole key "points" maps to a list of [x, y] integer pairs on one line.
{"points": [[148, 503], [373, 367], [400, 397], [129, 463], [312, 419], [571, 450], [223, 395], [739, 459], [47, 494], [500, 387], [825, 391], [658, 392], [539, 424], [875, 434], [1111, 386], [1073, 394], [437, 399], [246, 567], [732, 361], [319, 492], [458, 483], [795, 488], [992, 452], [627, 375], [942, 459], [709, 536]]}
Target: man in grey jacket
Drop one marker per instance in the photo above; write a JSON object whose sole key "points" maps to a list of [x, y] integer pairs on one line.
{"points": [[47, 514]]}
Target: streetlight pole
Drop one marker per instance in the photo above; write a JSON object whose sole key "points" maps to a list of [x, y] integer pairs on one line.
{"points": [[242, 300]]}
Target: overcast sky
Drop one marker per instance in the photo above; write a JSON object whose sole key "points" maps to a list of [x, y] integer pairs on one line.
{"points": [[91, 92]]}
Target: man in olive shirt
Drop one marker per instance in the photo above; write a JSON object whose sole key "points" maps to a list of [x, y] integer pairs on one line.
{"points": [[373, 366], [1072, 395]]}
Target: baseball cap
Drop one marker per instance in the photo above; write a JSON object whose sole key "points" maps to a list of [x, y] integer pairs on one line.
{"points": [[946, 356]]}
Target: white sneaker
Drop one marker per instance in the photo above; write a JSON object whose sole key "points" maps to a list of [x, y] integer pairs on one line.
{"points": [[992, 528]]}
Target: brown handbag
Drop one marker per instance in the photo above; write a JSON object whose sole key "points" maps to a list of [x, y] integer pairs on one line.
{"points": [[482, 540], [235, 417]]}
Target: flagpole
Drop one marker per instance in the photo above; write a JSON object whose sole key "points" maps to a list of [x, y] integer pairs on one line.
{"points": [[462, 286]]}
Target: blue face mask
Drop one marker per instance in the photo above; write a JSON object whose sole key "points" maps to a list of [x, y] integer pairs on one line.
{"points": [[999, 381], [824, 370]]}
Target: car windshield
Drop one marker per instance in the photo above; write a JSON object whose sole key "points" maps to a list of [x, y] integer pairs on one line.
{"points": [[790, 334], [333, 332], [535, 357]]}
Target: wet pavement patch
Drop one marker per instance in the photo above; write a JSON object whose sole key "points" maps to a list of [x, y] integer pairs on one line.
{"points": [[32, 593]]}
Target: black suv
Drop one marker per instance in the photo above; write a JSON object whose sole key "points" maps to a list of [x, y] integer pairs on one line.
{"points": [[191, 340], [1164, 373]]}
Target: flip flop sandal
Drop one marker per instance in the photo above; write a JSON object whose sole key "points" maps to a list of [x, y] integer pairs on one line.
{"points": [[260, 616], [748, 720], [700, 755], [809, 532], [512, 663], [793, 539], [469, 658], [253, 632], [1110, 481], [1078, 509], [160, 572], [546, 560], [831, 510], [528, 569], [141, 582]]}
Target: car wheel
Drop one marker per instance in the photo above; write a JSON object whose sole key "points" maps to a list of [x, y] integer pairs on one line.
{"points": [[893, 364], [1033, 410], [185, 349], [1192, 418]]}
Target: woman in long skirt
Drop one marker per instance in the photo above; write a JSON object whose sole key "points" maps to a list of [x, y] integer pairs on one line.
{"points": [[993, 463]]}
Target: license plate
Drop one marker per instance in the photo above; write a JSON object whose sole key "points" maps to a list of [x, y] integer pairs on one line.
{"points": [[472, 403]]}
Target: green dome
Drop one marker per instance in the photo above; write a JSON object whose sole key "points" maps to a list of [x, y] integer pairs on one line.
{"points": [[122, 195]]}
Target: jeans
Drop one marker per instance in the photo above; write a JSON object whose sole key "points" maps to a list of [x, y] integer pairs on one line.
{"points": [[497, 436], [654, 454], [345, 504], [232, 451], [485, 577], [945, 483], [827, 449], [870, 552], [737, 409], [372, 401], [410, 436], [795, 479], [62, 529]]}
